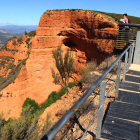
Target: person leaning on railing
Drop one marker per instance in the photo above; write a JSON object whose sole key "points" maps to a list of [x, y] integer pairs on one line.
{"points": [[125, 20]]}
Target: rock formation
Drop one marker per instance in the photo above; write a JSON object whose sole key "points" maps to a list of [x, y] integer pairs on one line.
{"points": [[90, 36]]}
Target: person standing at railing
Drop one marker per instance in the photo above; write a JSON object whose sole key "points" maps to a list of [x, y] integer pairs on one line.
{"points": [[125, 20], [126, 29]]}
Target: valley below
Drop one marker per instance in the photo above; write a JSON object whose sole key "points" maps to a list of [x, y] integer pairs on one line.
{"points": [[10, 31]]}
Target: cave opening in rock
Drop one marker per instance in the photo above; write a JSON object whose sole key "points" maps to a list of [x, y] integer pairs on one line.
{"points": [[70, 44]]}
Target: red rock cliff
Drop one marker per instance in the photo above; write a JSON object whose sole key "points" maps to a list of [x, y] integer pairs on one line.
{"points": [[89, 35]]}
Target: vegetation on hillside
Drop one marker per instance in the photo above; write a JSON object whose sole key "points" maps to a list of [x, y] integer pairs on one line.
{"points": [[24, 128], [12, 75], [27, 127], [117, 17], [53, 97], [31, 34], [6, 64]]}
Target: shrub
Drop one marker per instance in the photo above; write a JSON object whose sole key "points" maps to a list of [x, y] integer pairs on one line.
{"points": [[28, 53], [23, 62], [9, 120], [71, 85], [49, 14], [61, 112], [107, 63], [14, 37], [29, 45], [8, 59], [27, 41], [32, 104], [0, 95], [11, 66], [14, 42], [8, 93], [65, 67], [32, 34], [54, 96], [89, 67], [19, 40], [87, 77], [24, 128]]}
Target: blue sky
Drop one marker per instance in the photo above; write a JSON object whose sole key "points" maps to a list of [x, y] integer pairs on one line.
{"points": [[28, 12]]}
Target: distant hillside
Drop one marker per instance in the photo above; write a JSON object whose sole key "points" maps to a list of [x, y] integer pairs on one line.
{"points": [[8, 31], [18, 29], [135, 20]]}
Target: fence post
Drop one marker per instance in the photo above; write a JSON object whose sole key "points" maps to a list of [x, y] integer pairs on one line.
{"points": [[101, 107], [118, 79], [124, 72]]}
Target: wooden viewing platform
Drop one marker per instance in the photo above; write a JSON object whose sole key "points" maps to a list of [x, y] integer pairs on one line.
{"points": [[122, 121]]}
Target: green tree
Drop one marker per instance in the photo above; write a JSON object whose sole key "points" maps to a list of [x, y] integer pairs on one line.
{"points": [[32, 33], [65, 67], [26, 33]]}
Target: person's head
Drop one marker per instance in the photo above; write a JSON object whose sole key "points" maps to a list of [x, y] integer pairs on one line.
{"points": [[124, 16]]}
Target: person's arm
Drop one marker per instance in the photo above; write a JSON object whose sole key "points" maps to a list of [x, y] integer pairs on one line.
{"points": [[122, 19]]}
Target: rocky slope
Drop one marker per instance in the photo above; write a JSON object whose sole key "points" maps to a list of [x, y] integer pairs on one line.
{"points": [[90, 36]]}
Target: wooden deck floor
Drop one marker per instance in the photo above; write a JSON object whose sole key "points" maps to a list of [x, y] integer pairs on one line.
{"points": [[122, 121]]}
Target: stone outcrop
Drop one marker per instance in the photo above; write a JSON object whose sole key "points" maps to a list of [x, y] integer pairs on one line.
{"points": [[90, 36]]}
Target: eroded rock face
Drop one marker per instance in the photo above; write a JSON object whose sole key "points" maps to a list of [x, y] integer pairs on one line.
{"points": [[88, 31], [88, 35]]}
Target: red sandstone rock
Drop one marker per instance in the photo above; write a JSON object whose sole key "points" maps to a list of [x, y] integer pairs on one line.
{"points": [[24, 37], [89, 36]]}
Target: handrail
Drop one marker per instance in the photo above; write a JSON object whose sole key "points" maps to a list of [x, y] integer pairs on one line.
{"points": [[58, 126], [126, 36], [129, 24]]}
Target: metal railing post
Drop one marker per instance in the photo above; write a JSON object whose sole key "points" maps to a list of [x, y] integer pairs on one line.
{"points": [[132, 53], [124, 72], [130, 50], [118, 79], [101, 107], [137, 49]]}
